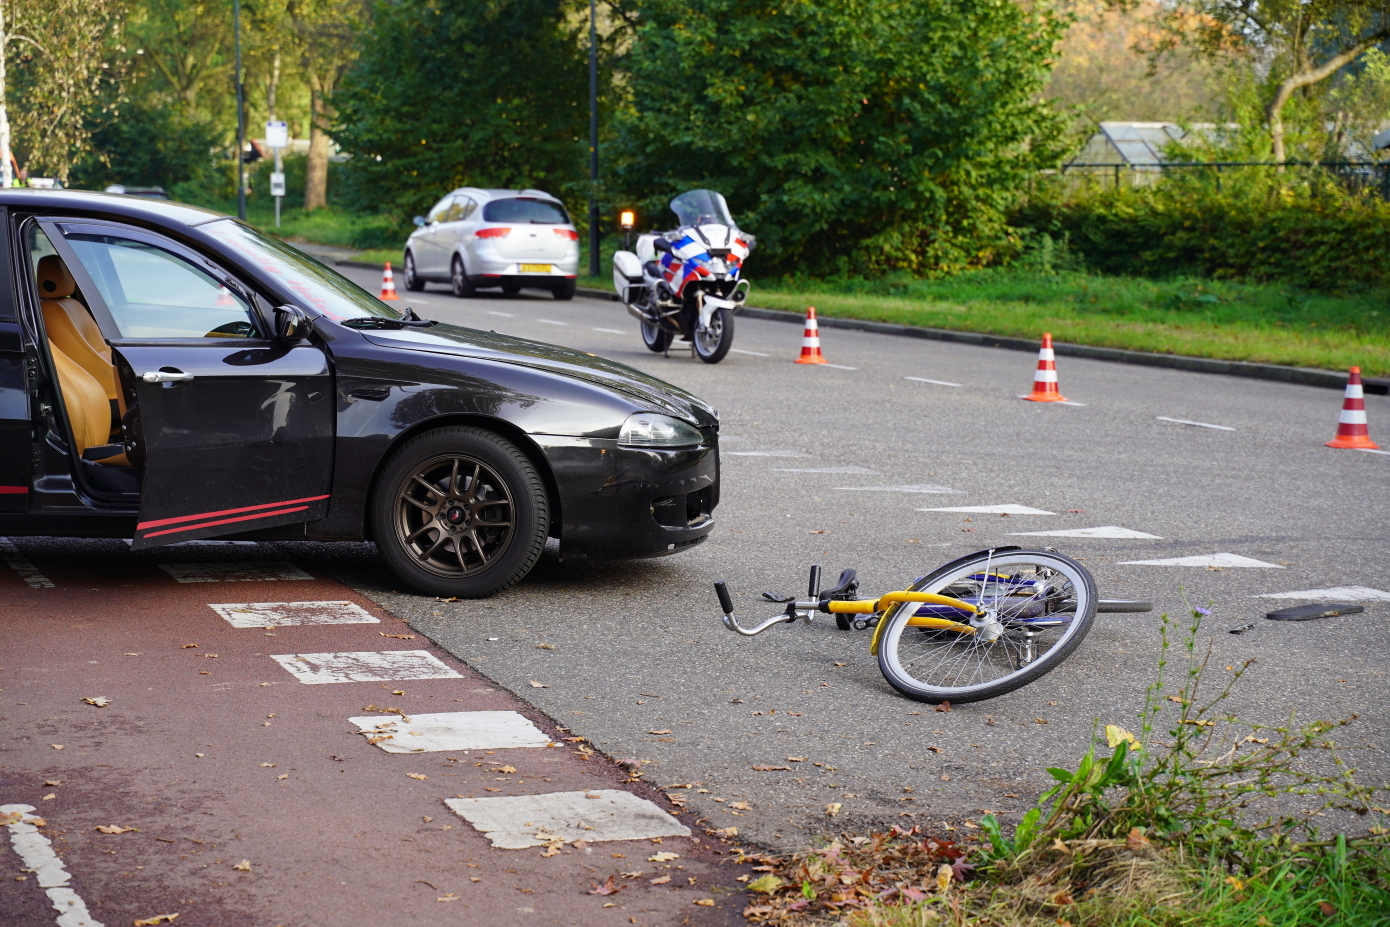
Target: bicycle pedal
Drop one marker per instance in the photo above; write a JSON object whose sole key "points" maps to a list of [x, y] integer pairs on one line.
{"points": [[778, 597]]}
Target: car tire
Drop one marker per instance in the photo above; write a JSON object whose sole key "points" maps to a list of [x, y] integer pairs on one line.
{"points": [[479, 530], [459, 284], [565, 290], [412, 279]]}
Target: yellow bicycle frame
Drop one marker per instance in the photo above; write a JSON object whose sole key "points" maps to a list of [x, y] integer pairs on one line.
{"points": [[870, 606]]}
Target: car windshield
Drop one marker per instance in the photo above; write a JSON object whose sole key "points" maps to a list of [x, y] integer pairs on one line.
{"points": [[316, 285], [522, 209], [701, 207]]}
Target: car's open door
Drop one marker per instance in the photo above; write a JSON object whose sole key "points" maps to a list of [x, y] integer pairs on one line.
{"points": [[232, 431]]}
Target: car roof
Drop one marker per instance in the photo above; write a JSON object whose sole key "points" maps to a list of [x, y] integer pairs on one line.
{"points": [[492, 193], [107, 205]]}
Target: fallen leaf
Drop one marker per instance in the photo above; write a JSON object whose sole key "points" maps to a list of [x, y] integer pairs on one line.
{"points": [[943, 877], [1039, 720], [768, 768], [767, 884], [609, 887], [709, 902], [1179, 699], [797, 759], [401, 637], [397, 692], [49, 797], [415, 776], [1252, 739], [742, 806], [186, 646], [38, 822], [157, 919], [1116, 735], [1327, 908], [113, 829], [100, 701], [506, 769], [945, 777], [934, 749], [1137, 840], [833, 808], [449, 897], [552, 850], [56, 746], [53, 782], [538, 685], [659, 732], [728, 831], [243, 866], [663, 857], [1198, 722], [283, 776], [944, 706], [269, 765], [1063, 897], [662, 880]]}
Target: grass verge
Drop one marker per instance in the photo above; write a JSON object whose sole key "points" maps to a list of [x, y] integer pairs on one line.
{"points": [[1208, 825]]}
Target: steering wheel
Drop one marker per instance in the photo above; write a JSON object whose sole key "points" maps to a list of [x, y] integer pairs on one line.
{"points": [[232, 330]]}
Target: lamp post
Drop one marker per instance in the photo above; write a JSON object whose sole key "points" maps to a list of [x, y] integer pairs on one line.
{"points": [[593, 140], [240, 116]]}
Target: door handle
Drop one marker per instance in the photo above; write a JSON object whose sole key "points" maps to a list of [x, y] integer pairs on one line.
{"points": [[167, 376]]}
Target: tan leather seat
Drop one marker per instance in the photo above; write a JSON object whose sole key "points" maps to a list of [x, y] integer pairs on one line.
{"points": [[84, 400], [72, 328]]}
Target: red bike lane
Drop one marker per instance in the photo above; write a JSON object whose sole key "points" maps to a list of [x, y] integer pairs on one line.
{"points": [[218, 743]]}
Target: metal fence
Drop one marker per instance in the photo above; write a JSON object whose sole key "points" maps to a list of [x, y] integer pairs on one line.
{"points": [[1362, 176]]}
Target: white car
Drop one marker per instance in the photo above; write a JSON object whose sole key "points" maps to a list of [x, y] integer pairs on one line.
{"points": [[477, 239]]}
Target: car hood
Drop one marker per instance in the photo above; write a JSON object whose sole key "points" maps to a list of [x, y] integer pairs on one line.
{"points": [[657, 395]]}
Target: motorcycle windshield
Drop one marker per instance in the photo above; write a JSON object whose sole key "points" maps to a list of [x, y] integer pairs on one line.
{"points": [[701, 207]]}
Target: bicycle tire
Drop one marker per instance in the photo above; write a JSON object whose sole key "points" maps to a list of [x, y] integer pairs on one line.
{"points": [[945, 666]]}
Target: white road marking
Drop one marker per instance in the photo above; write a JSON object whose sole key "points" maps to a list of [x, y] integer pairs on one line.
{"points": [[505, 315], [521, 821], [453, 730], [234, 572], [1369, 450], [916, 487], [1183, 421], [765, 454], [36, 852], [285, 614], [836, 366], [751, 353], [936, 382], [1208, 560], [551, 322], [611, 331], [1009, 509], [821, 470], [21, 565], [1108, 531], [1335, 594], [364, 666]]}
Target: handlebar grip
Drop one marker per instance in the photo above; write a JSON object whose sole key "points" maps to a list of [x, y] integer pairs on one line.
{"points": [[726, 601], [813, 589]]}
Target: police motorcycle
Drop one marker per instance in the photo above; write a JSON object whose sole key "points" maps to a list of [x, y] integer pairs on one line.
{"points": [[688, 283]]}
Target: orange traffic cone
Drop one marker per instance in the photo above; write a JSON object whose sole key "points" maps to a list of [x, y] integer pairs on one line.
{"points": [[810, 340], [1045, 380], [388, 285], [1351, 427]]}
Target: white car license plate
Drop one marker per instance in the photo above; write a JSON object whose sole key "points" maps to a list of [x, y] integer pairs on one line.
{"points": [[535, 268]]}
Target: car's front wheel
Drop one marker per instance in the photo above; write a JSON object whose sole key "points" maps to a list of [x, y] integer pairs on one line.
{"points": [[458, 279], [412, 278], [461, 512]]}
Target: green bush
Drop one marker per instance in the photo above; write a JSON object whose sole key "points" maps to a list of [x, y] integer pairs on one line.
{"points": [[1301, 227]]}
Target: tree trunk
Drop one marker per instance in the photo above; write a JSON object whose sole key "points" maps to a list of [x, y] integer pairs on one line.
{"points": [[316, 170], [1305, 78]]}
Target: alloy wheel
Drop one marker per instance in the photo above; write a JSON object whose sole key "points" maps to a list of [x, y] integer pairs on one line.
{"points": [[454, 516]]}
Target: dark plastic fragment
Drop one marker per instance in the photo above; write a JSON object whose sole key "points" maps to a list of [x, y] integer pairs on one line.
{"points": [[1311, 612]]}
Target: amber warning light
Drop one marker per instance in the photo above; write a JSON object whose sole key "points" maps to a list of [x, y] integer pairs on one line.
{"points": [[627, 220]]}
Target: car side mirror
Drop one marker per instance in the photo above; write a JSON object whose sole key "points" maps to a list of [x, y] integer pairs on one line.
{"points": [[291, 325], [418, 220]]}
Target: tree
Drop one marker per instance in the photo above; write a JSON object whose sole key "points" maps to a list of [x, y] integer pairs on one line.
{"points": [[58, 72], [1302, 42], [187, 42], [851, 136], [328, 33], [488, 94]]}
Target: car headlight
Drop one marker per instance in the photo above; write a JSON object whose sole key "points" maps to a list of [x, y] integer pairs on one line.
{"points": [[648, 429]]}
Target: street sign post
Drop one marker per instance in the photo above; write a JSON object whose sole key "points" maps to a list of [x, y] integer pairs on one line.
{"points": [[277, 136]]}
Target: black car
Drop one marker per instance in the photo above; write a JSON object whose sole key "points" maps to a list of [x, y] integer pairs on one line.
{"points": [[169, 373]]}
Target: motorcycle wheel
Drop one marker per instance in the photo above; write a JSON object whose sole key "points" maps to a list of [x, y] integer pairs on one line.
{"points": [[713, 344], [656, 337]]}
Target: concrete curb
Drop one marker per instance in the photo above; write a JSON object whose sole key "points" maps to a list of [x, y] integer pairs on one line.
{"points": [[1303, 376]]}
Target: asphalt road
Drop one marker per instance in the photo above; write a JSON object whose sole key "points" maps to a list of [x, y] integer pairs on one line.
{"points": [[632, 648]]}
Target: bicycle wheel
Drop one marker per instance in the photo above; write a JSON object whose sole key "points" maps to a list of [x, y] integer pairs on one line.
{"points": [[1037, 608]]}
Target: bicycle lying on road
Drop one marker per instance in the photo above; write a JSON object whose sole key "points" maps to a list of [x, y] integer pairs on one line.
{"points": [[971, 629]]}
